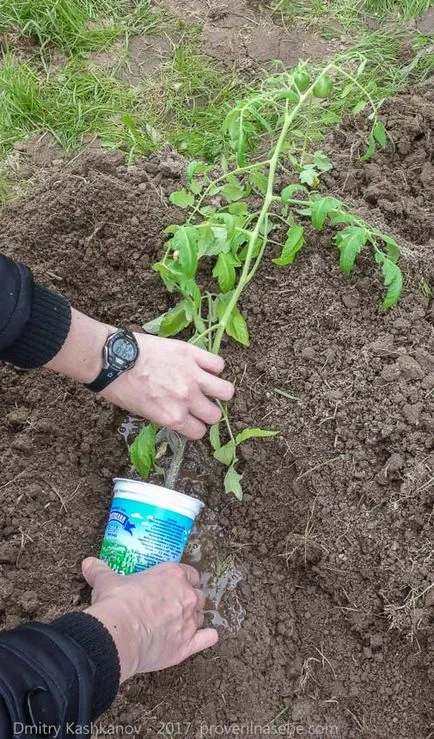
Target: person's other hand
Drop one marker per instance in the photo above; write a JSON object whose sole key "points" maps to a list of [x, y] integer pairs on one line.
{"points": [[155, 617], [172, 384]]}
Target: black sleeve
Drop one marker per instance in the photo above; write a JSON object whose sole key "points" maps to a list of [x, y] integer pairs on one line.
{"points": [[61, 675], [34, 322]]}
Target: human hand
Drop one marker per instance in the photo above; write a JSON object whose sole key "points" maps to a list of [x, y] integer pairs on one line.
{"points": [[154, 617], [171, 385]]}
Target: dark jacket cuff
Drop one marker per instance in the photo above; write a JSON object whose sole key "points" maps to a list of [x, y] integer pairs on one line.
{"points": [[44, 333], [99, 646]]}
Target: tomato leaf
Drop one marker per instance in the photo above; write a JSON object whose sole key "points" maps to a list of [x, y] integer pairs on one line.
{"points": [[224, 272], [237, 328], [370, 151], [380, 133], [392, 248], [322, 162], [393, 279], [182, 199], [214, 436], [175, 320], [233, 191], [259, 181], [226, 454], [153, 326], [143, 450], [293, 244], [185, 242], [233, 483], [321, 208], [289, 191], [350, 241], [253, 434], [195, 167], [309, 175]]}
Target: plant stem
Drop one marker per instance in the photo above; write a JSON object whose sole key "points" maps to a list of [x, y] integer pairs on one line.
{"points": [[175, 465], [269, 197]]}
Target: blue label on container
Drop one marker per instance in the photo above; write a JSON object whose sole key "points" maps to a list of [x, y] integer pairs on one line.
{"points": [[140, 535]]}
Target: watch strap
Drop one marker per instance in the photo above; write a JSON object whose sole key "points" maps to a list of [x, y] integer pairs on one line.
{"points": [[105, 377]]}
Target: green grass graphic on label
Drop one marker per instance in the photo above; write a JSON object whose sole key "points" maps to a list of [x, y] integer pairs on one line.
{"points": [[118, 557]]}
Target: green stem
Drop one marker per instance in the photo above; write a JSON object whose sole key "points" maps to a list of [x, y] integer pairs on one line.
{"points": [[234, 172], [269, 197]]}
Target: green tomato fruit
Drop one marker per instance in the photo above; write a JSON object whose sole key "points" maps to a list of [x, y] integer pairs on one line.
{"points": [[323, 88], [302, 81]]}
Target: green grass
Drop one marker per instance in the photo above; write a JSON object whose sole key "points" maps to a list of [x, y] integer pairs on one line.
{"points": [[69, 105], [352, 14], [184, 104], [189, 98], [186, 101], [74, 25]]}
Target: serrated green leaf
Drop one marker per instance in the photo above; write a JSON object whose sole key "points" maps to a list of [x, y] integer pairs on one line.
{"points": [[289, 191], [182, 199], [153, 326], [233, 191], [340, 216], [233, 483], [361, 105], [380, 133], [293, 244], [321, 208], [214, 436], [234, 127], [238, 209], [370, 151], [185, 242], [309, 176], [392, 248], [195, 167], [175, 320], [253, 434], [322, 162], [224, 272], [226, 454], [237, 328], [393, 280], [259, 181], [351, 242], [143, 450]]}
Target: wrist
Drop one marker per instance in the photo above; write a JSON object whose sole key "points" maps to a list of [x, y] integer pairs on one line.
{"points": [[118, 621], [81, 356]]}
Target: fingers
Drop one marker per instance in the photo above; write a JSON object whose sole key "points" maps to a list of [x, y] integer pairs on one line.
{"points": [[205, 410], [209, 362], [192, 428], [93, 569], [215, 387], [191, 574], [201, 598], [203, 639]]}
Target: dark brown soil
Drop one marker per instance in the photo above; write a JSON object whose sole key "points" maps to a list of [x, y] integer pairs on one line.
{"points": [[335, 535]]}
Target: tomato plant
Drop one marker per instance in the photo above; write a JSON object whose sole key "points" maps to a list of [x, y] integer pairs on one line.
{"points": [[224, 227]]}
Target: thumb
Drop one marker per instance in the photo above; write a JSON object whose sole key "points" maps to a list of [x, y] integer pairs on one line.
{"points": [[203, 639], [93, 568]]}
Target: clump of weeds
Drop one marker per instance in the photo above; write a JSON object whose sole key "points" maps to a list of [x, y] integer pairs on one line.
{"points": [[236, 215]]}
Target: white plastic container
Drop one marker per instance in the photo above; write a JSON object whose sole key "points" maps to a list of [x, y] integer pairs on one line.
{"points": [[147, 525]]}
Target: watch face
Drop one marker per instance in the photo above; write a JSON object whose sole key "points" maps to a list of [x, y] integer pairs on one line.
{"points": [[124, 350]]}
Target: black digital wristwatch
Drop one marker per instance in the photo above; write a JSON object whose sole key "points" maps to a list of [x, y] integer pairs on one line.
{"points": [[120, 354]]}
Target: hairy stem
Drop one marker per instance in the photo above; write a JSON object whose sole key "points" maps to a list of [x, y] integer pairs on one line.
{"points": [[172, 473]]}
